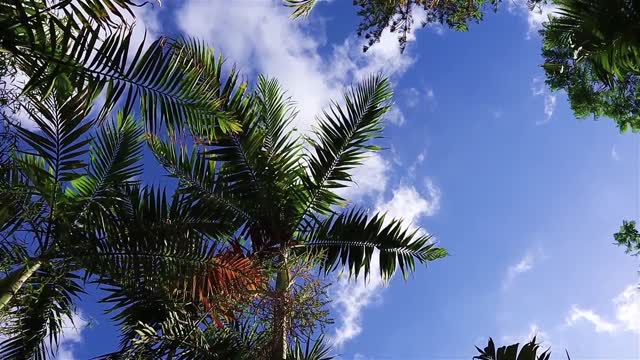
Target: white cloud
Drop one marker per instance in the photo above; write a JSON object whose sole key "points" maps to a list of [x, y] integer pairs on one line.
{"points": [[71, 335], [538, 88], [628, 309], [395, 116], [370, 178], [410, 205], [535, 17], [627, 313], [525, 264], [414, 97], [411, 171], [549, 106], [261, 36], [601, 325], [614, 154], [350, 298]]}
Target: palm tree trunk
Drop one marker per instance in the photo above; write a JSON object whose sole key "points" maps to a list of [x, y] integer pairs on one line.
{"points": [[10, 285], [281, 313]]}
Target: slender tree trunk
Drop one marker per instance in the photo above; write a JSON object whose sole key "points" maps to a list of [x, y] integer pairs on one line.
{"points": [[10, 285], [281, 313]]}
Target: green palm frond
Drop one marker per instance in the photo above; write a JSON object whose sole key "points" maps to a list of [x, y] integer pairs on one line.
{"points": [[114, 160], [341, 141], [173, 80], [159, 257], [62, 137], [39, 313], [301, 8], [319, 351], [529, 351], [349, 239], [280, 145], [198, 180]]}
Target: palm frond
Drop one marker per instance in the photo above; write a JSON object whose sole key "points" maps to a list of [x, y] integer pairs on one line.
{"points": [[319, 351], [158, 258], [301, 8], [343, 136], [40, 312], [529, 351], [115, 154], [175, 81], [349, 239], [199, 181]]}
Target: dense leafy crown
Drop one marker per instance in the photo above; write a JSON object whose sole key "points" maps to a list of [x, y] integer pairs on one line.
{"points": [[592, 51]]}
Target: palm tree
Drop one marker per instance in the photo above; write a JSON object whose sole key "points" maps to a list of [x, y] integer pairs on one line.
{"points": [[278, 190], [73, 212]]}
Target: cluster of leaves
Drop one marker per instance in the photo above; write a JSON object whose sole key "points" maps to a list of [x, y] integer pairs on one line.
{"points": [[592, 52], [628, 237]]}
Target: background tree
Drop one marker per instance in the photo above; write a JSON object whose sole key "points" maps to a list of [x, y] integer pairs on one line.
{"points": [[628, 237], [399, 16], [592, 51]]}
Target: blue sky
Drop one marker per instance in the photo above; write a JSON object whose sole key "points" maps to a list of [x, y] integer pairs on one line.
{"points": [[524, 196]]}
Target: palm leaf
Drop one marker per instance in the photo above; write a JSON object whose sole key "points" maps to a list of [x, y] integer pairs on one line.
{"points": [[349, 239], [39, 313], [343, 136], [301, 8]]}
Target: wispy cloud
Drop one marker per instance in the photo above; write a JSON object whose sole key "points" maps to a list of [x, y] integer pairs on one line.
{"points": [[413, 97], [525, 264], [369, 179], [628, 309], [351, 297], [263, 38], [614, 154], [395, 116], [627, 314], [535, 17], [577, 314], [538, 88]]}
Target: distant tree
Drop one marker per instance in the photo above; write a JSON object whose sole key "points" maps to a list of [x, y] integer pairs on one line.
{"points": [[592, 52], [628, 237], [529, 351], [399, 15]]}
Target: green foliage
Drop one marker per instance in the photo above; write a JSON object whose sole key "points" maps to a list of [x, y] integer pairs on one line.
{"points": [[169, 79], [629, 237], [591, 51], [529, 351], [399, 15], [276, 191]]}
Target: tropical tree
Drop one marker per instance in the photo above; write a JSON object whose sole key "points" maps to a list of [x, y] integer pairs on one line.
{"points": [[399, 16], [72, 212], [277, 188], [528, 351], [592, 52]]}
